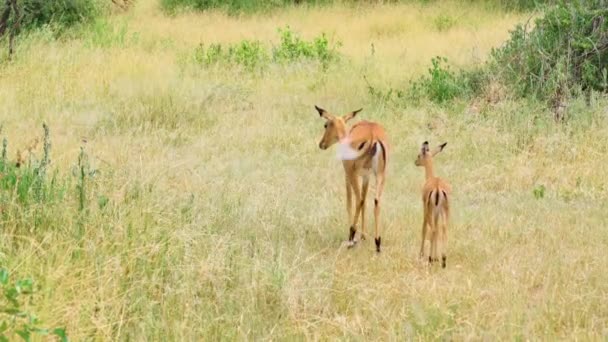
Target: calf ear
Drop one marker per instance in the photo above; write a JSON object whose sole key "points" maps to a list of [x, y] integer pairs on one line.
{"points": [[439, 148], [351, 114], [424, 149]]}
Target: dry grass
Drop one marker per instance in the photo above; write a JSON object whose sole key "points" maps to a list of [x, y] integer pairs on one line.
{"points": [[226, 221]]}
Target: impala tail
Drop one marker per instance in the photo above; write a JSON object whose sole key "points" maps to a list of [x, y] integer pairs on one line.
{"points": [[437, 199]]}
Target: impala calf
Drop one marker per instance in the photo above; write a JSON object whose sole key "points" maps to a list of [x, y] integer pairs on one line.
{"points": [[363, 151], [435, 194]]}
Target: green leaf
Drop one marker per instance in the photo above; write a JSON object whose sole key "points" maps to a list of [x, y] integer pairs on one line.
{"points": [[25, 286], [11, 294], [25, 335], [60, 332], [3, 338], [3, 328], [3, 276]]}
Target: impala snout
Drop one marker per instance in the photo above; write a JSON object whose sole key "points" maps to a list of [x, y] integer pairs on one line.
{"points": [[322, 146]]}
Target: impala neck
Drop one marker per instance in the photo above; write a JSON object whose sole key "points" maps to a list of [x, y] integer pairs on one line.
{"points": [[428, 169], [341, 131]]}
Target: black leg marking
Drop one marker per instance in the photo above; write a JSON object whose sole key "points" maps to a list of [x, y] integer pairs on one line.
{"points": [[444, 260], [378, 242], [351, 235], [383, 152], [430, 260], [376, 202]]}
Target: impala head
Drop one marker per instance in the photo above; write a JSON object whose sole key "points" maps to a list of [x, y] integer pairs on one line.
{"points": [[426, 154], [335, 127]]}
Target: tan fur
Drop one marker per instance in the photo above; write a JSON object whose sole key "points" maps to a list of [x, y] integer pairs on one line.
{"points": [[436, 194], [365, 138]]}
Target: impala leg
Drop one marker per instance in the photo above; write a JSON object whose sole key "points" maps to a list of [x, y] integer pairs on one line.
{"points": [[439, 242], [446, 219], [425, 224], [349, 198], [428, 237], [379, 190], [365, 187], [355, 187], [433, 256], [435, 248]]}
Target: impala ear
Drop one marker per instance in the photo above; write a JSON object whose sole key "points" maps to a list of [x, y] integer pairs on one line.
{"points": [[424, 149], [439, 148], [322, 112], [351, 114]]}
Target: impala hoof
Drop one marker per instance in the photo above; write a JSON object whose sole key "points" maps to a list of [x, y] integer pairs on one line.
{"points": [[351, 234]]}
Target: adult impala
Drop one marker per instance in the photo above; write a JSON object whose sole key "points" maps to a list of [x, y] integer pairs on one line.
{"points": [[436, 205], [363, 151]]}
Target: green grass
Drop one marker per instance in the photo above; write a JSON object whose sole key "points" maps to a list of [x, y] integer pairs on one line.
{"points": [[210, 213]]}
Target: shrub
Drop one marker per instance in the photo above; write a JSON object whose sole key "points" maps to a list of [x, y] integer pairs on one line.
{"points": [[232, 6], [252, 55], [292, 48], [61, 13], [567, 50], [444, 22], [249, 54], [15, 320], [442, 84]]}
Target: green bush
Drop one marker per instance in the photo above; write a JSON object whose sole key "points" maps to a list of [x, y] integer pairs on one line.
{"points": [[252, 55], [59, 13], [292, 48], [566, 51], [509, 5], [249, 54], [232, 6], [442, 84]]}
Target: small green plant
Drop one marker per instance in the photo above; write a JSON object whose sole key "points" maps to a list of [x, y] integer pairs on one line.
{"points": [[539, 191], [252, 55], [15, 320], [102, 34], [444, 22], [292, 48], [84, 172], [248, 54], [441, 84]]}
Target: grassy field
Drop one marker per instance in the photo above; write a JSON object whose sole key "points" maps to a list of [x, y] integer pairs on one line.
{"points": [[225, 221]]}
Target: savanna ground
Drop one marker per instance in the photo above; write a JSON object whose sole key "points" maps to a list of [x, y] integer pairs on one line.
{"points": [[213, 215]]}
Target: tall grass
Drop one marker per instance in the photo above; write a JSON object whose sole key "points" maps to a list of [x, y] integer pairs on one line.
{"points": [[210, 213]]}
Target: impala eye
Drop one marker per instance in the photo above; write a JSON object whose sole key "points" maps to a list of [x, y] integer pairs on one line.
{"points": [[326, 124]]}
